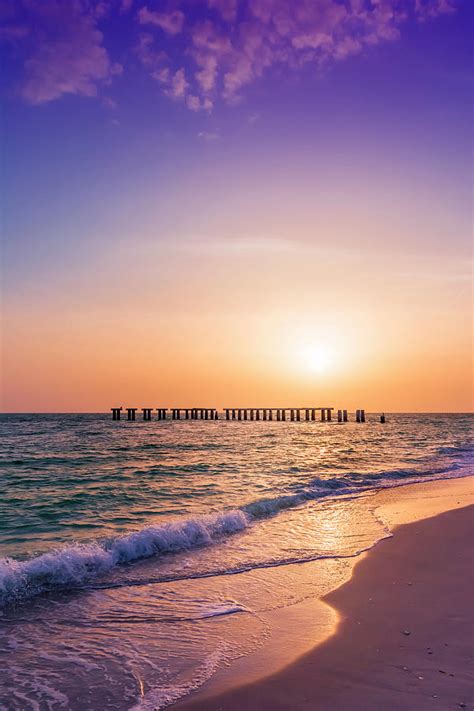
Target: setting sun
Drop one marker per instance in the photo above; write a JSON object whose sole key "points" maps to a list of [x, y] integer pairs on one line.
{"points": [[317, 358]]}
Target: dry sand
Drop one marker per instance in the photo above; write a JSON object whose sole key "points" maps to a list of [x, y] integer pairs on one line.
{"points": [[405, 635]]}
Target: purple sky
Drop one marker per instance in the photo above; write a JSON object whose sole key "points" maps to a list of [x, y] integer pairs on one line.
{"points": [[131, 125]]}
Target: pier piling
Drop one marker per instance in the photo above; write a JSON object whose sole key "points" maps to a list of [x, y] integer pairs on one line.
{"points": [[281, 414]]}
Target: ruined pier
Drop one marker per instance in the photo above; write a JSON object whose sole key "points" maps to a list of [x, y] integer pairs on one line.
{"points": [[279, 414]]}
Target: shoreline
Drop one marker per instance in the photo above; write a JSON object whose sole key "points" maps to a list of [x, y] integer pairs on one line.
{"points": [[360, 613]]}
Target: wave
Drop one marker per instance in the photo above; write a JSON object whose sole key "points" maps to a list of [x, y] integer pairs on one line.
{"points": [[76, 565]]}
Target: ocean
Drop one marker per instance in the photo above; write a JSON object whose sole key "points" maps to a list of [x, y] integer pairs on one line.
{"points": [[138, 558]]}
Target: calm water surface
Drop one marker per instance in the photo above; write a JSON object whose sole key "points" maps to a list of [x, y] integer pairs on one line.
{"points": [[139, 557]]}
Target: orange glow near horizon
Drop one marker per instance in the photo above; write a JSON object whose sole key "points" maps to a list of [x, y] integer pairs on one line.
{"points": [[271, 327]]}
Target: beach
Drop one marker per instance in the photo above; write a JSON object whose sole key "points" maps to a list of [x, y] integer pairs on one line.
{"points": [[155, 564], [404, 637]]}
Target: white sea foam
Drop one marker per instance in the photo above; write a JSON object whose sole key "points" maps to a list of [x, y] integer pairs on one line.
{"points": [[75, 565]]}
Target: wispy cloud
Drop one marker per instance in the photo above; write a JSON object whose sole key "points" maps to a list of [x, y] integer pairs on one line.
{"points": [[208, 136], [169, 22], [200, 51], [62, 48]]}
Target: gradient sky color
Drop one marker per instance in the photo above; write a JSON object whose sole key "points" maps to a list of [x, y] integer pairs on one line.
{"points": [[224, 203]]}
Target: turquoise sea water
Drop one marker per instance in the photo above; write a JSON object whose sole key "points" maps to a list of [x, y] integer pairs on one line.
{"points": [[110, 528]]}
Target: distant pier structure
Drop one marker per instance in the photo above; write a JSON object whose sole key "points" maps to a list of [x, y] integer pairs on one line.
{"points": [[280, 414]]}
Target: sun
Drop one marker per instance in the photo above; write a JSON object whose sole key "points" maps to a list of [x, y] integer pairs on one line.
{"points": [[316, 358]]}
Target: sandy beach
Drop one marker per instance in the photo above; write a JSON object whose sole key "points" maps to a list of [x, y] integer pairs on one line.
{"points": [[404, 638]]}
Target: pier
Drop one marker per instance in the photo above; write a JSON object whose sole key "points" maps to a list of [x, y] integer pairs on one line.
{"points": [[254, 414]]}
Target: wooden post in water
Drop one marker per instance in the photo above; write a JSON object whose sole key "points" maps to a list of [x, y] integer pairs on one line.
{"points": [[239, 414], [270, 414], [283, 414], [251, 414], [116, 412], [357, 415], [216, 415], [245, 414], [362, 415], [344, 415], [146, 413], [323, 415], [382, 418], [339, 415], [329, 414], [257, 414], [131, 413], [278, 415], [292, 415], [298, 415], [227, 415], [313, 414], [307, 415]]}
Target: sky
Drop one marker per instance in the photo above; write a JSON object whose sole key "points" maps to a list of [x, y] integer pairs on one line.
{"points": [[226, 203]]}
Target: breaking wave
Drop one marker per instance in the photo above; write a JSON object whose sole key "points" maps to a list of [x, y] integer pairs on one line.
{"points": [[73, 566]]}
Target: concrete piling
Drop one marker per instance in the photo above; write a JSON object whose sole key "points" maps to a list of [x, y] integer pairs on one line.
{"points": [[248, 413]]}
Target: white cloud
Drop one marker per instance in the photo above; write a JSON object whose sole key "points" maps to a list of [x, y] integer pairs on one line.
{"points": [[169, 22]]}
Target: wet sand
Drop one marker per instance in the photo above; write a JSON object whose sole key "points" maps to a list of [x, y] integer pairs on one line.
{"points": [[405, 633]]}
